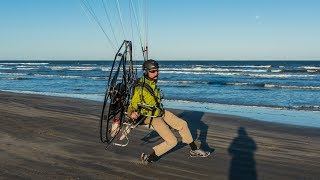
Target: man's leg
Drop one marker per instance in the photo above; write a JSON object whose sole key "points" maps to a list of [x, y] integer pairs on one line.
{"points": [[164, 131], [180, 125]]}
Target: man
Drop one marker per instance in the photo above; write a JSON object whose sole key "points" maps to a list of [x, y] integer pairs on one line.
{"points": [[146, 102]]}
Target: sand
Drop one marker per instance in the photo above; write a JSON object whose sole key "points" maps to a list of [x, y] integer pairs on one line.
{"points": [[46, 137]]}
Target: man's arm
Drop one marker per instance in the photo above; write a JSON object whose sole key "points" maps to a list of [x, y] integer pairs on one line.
{"points": [[133, 107]]}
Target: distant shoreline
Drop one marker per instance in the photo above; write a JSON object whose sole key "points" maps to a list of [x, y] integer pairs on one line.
{"points": [[227, 110]]}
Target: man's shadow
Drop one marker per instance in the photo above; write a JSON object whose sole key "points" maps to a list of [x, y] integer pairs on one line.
{"points": [[193, 118], [242, 149]]}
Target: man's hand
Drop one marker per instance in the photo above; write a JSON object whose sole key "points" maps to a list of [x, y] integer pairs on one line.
{"points": [[134, 115]]}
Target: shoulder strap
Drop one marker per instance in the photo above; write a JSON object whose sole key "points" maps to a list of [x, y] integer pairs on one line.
{"points": [[149, 89], [147, 86]]}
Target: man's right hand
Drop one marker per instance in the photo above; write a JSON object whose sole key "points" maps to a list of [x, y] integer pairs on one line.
{"points": [[134, 115]]}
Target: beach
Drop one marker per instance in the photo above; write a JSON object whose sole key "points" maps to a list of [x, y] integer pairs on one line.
{"points": [[44, 137]]}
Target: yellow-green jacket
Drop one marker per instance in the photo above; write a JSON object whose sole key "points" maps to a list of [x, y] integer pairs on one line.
{"points": [[145, 102]]}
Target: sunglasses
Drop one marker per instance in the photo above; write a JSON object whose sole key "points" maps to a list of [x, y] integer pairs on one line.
{"points": [[153, 71]]}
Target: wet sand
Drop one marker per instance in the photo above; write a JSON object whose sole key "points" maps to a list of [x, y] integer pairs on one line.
{"points": [[46, 137]]}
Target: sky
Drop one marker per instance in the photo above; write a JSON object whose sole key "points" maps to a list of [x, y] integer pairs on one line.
{"points": [[176, 29]]}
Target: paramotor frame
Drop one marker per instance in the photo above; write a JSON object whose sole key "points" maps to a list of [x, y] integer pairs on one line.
{"points": [[118, 93]]}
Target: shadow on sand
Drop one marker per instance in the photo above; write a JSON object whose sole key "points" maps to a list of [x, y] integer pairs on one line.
{"points": [[197, 128], [241, 150]]}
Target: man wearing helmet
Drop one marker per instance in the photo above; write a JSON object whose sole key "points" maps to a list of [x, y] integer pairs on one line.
{"points": [[146, 102]]}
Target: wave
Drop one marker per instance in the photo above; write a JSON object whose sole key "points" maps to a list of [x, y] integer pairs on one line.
{"points": [[292, 87], [79, 68], [82, 68], [311, 67], [183, 82], [97, 77], [71, 68], [299, 70], [16, 63], [27, 68], [96, 97], [271, 85], [239, 84], [234, 66], [262, 85], [248, 66], [207, 70], [280, 75], [257, 75], [306, 107], [205, 82], [14, 74], [18, 76], [267, 70], [57, 76], [313, 71], [204, 104], [105, 68], [4, 68], [211, 103], [56, 68], [15, 78]]}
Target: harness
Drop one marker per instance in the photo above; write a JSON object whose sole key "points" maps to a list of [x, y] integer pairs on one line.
{"points": [[146, 106]]}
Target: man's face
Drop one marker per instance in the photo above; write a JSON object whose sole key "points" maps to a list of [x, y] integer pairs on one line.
{"points": [[153, 73]]}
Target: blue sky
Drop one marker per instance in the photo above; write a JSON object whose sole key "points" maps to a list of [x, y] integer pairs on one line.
{"points": [[177, 30]]}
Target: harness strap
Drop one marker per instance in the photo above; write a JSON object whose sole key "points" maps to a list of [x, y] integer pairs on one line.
{"points": [[150, 90]]}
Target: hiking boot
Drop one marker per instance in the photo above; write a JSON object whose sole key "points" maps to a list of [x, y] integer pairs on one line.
{"points": [[145, 159], [199, 153]]}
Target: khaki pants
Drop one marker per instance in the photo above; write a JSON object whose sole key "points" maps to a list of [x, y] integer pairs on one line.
{"points": [[160, 124]]}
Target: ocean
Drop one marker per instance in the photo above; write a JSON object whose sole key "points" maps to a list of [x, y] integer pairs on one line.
{"points": [[276, 91]]}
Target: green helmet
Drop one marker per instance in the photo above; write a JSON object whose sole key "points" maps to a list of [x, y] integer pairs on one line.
{"points": [[150, 64]]}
